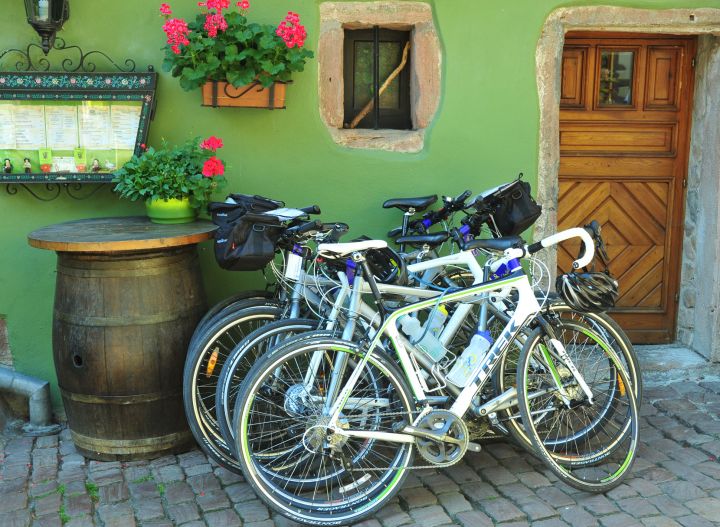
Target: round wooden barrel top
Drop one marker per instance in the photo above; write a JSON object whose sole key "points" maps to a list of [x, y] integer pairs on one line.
{"points": [[133, 233]]}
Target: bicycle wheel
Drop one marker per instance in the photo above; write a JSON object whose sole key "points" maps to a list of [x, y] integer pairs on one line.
{"points": [[589, 444], [600, 323], [242, 358], [281, 432], [226, 307], [203, 365]]}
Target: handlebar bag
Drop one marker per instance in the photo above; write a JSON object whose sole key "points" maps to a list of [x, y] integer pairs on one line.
{"points": [[513, 208], [249, 244], [237, 205]]}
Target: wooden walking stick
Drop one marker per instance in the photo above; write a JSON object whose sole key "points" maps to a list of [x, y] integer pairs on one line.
{"points": [[369, 106]]}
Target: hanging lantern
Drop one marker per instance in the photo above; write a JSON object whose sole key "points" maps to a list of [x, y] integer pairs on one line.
{"points": [[47, 17]]}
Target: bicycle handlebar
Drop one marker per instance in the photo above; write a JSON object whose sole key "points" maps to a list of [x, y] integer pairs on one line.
{"points": [[588, 252]]}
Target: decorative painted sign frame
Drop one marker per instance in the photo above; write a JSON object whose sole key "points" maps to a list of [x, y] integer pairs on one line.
{"points": [[47, 88]]}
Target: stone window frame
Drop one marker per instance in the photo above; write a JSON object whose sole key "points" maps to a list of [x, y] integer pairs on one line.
{"points": [[425, 73]]}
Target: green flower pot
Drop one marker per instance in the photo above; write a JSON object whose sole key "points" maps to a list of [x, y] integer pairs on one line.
{"points": [[170, 211]]}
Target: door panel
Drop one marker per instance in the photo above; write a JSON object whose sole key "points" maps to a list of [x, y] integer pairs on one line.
{"points": [[624, 135]]}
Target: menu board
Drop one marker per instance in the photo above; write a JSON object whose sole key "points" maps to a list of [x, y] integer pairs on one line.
{"points": [[72, 126]]}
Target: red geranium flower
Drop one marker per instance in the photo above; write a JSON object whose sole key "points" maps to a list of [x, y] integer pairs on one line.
{"points": [[213, 167], [165, 10], [212, 143]]}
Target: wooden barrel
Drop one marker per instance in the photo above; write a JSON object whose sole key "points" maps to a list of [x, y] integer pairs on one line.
{"points": [[121, 328]]}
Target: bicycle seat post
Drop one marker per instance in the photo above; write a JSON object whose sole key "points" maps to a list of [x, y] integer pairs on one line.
{"points": [[406, 222]]}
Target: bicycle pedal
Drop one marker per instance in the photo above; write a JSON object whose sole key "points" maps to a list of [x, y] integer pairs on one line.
{"points": [[474, 447]]}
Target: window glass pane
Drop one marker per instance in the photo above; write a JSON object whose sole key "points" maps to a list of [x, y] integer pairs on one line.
{"points": [[616, 70], [390, 57]]}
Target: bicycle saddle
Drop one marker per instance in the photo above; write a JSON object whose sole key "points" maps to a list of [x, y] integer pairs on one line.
{"points": [[341, 249], [432, 240], [405, 204], [494, 244]]}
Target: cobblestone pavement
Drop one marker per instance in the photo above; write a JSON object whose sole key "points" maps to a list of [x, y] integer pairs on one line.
{"points": [[675, 481]]}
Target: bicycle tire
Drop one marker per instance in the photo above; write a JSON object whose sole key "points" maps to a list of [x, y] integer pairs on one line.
{"points": [[506, 373], [241, 359], [208, 353], [347, 499], [597, 451]]}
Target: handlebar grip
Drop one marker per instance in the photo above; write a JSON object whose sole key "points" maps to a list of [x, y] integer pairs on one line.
{"points": [[312, 209], [305, 227], [535, 247]]}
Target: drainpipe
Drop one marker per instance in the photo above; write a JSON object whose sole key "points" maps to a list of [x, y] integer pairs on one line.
{"points": [[38, 393]]}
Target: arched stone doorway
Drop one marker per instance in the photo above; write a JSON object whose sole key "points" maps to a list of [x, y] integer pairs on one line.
{"points": [[699, 310]]}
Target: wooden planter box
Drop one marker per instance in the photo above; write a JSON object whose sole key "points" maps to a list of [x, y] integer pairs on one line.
{"points": [[217, 93]]}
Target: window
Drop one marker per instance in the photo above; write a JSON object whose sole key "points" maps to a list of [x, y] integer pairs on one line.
{"points": [[371, 58], [347, 76], [616, 78]]}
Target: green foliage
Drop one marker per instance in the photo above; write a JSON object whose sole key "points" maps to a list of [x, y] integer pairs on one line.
{"points": [[168, 172], [241, 54], [92, 490]]}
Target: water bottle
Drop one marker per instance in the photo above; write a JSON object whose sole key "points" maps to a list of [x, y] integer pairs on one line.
{"points": [[428, 344], [436, 320], [460, 374]]}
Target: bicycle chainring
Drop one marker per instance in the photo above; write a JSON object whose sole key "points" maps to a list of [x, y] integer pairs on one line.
{"points": [[452, 442]]}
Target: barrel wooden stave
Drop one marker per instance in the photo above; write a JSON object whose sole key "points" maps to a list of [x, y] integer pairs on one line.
{"points": [[120, 333]]}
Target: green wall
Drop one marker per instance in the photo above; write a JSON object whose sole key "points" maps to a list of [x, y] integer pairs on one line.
{"points": [[485, 132]]}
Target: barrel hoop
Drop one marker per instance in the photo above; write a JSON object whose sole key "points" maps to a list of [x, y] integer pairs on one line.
{"points": [[126, 320], [143, 268], [119, 399], [129, 446]]}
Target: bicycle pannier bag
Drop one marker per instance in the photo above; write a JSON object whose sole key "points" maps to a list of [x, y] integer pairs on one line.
{"points": [[250, 244], [513, 208]]}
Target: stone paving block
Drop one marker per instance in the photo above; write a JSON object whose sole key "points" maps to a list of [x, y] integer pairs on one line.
{"points": [[137, 474], [149, 509], [50, 520], [252, 511], [650, 453], [708, 508], [668, 506], [619, 519], [597, 504], [168, 473], [240, 492], [20, 518], [659, 521], [66, 448], [223, 518], [534, 480], [694, 520], [690, 474], [38, 489], [417, 497], [116, 515], [555, 497], [644, 488], [196, 470], [430, 516], [367, 523], [72, 474], [181, 513], [463, 474], [44, 473], [622, 491], [49, 504], [393, 515], [638, 507], [502, 510], [72, 460], [266, 523], [212, 500], [481, 460], [162, 461], [498, 475], [688, 456], [501, 450], [77, 504], [454, 503], [479, 492], [709, 468], [106, 477], [204, 483], [576, 515], [517, 465], [178, 492], [439, 483], [47, 457], [536, 509], [227, 477], [708, 426], [81, 521], [102, 466], [282, 521], [192, 458], [682, 490], [157, 523], [515, 491], [474, 519], [113, 492], [46, 442], [144, 490], [20, 470], [552, 522]]}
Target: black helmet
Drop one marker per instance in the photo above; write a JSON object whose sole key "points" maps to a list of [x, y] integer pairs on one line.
{"points": [[588, 292], [387, 266]]}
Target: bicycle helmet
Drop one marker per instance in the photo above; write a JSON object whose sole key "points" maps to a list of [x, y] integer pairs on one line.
{"points": [[588, 292], [387, 266]]}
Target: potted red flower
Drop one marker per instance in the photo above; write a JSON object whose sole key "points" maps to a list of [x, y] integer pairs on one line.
{"points": [[173, 181], [236, 62]]}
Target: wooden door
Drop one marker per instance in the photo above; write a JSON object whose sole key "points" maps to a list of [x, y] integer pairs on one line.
{"points": [[624, 137]]}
